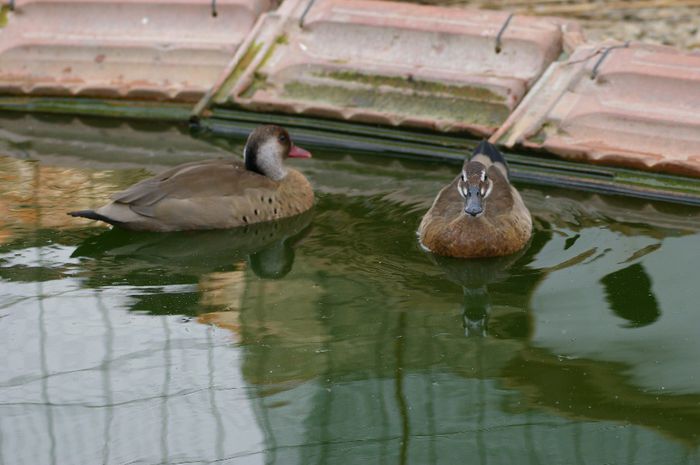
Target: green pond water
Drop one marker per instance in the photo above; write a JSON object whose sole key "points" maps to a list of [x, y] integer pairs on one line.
{"points": [[331, 338]]}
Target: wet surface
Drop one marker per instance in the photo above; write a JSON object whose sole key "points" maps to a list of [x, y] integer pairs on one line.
{"points": [[331, 337]]}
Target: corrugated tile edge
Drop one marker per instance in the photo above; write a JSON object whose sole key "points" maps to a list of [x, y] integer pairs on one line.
{"points": [[290, 48], [621, 104]]}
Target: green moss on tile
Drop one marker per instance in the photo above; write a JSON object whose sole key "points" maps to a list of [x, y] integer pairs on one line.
{"points": [[4, 12], [416, 85], [98, 107], [259, 83], [547, 129], [282, 40], [232, 78], [260, 78], [450, 108], [660, 181]]}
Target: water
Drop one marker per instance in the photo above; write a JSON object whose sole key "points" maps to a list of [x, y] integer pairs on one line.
{"points": [[332, 338]]}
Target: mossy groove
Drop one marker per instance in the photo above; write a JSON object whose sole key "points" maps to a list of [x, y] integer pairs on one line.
{"points": [[4, 13], [427, 106], [416, 85]]}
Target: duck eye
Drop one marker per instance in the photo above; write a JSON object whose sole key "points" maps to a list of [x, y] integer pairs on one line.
{"points": [[282, 138]]}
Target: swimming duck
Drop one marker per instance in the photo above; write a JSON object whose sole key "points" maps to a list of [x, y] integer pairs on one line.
{"points": [[479, 214], [216, 194]]}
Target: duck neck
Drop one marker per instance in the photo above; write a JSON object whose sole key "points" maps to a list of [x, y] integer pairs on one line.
{"points": [[263, 159]]}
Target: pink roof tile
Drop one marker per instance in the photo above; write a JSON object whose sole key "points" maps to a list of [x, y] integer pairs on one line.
{"points": [[640, 108], [154, 49], [397, 63]]}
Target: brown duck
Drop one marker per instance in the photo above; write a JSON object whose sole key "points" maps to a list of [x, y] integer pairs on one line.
{"points": [[216, 194], [479, 214]]}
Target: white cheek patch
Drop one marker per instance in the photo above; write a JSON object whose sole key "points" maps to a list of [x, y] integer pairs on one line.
{"points": [[269, 161], [488, 189], [461, 188], [268, 150]]}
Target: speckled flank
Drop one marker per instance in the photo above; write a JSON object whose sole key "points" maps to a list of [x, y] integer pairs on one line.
{"points": [[293, 196]]}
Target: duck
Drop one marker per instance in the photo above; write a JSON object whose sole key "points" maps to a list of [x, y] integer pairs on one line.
{"points": [[216, 194], [480, 213]]}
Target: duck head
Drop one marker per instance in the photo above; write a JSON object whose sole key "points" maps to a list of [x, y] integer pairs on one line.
{"points": [[474, 186], [266, 149]]}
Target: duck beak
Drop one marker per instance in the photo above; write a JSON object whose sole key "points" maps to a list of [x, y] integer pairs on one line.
{"points": [[473, 206], [298, 152]]}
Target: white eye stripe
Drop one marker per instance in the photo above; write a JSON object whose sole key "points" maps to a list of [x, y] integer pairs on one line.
{"points": [[488, 189], [461, 188]]}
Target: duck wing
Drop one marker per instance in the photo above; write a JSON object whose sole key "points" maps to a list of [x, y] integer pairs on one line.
{"points": [[501, 198], [190, 181]]}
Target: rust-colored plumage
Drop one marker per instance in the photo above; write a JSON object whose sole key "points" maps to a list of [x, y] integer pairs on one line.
{"points": [[479, 214], [216, 194]]}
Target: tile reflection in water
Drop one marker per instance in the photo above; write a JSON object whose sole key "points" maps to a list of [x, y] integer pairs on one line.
{"points": [[629, 295], [340, 342]]}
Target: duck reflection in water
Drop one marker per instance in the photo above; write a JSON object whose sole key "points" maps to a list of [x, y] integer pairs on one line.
{"points": [[213, 260], [474, 276]]}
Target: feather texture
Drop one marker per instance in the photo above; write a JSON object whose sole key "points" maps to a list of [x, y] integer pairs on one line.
{"points": [[211, 194], [503, 228]]}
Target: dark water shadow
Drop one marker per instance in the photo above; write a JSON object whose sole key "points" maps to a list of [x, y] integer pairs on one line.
{"points": [[628, 292]]}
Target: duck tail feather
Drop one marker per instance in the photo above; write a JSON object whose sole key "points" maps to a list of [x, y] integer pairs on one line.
{"points": [[487, 148], [93, 215]]}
